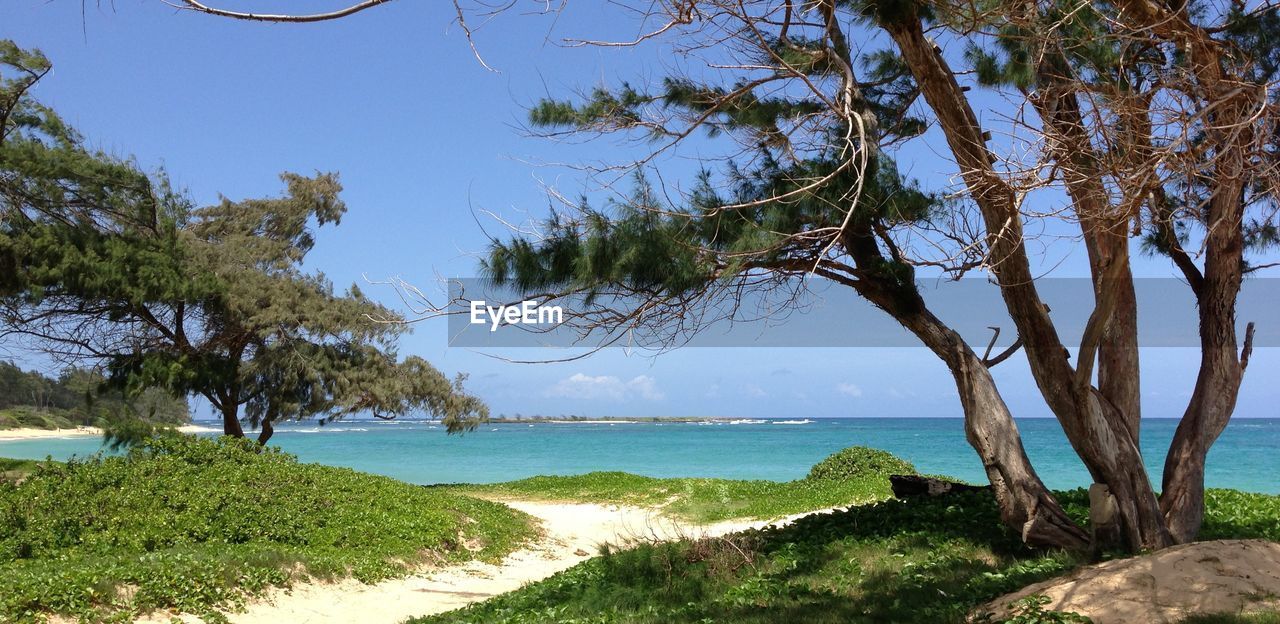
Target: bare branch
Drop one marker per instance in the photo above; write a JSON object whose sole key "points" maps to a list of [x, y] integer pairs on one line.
{"points": [[193, 5]]}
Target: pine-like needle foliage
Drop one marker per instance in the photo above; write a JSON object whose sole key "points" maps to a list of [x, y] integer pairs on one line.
{"points": [[106, 264]]}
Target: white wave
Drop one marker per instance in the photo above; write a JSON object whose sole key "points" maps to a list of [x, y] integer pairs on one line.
{"points": [[792, 422], [322, 430]]}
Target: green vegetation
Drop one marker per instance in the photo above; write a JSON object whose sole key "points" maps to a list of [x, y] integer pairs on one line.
{"points": [[1249, 618], [853, 476], [1267, 617], [928, 560], [77, 397], [193, 524], [104, 263], [18, 469], [26, 417], [923, 560], [1233, 514], [859, 463], [1031, 610]]}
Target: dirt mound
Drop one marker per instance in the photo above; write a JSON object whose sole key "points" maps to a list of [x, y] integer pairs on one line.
{"points": [[1165, 587]]}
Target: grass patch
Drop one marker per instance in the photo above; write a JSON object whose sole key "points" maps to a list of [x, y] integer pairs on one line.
{"points": [[854, 476], [193, 524], [1268, 617], [926, 560], [14, 470], [1232, 514]]}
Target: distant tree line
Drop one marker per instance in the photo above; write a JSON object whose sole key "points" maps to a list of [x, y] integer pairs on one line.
{"points": [[78, 396]]}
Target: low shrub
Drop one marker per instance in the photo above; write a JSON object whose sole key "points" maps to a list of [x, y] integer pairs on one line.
{"points": [[859, 462]]}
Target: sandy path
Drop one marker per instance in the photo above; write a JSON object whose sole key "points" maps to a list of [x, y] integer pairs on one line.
{"points": [[574, 533]]}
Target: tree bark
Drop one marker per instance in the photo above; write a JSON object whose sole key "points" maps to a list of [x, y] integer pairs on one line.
{"points": [[1025, 503], [1230, 106], [267, 431], [1104, 228], [1094, 427], [231, 420], [1221, 367]]}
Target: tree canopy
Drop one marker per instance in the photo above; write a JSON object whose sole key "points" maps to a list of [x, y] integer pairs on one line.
{"points": [[108, 265], [1139, 125]]}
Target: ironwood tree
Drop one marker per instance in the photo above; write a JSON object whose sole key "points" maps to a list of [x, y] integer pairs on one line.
{"points": [[105, 265], [1141, 124]]}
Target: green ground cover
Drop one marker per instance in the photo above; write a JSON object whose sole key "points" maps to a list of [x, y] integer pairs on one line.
{"points": [[854, 476], [13, 470], [923, 560], [1235, 618], [191, 524], [23, 417]]}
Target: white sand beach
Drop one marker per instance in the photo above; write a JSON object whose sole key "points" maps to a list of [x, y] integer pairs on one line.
{"points": [[80, 432]]}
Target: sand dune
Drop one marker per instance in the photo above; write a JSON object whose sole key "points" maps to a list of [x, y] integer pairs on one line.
{"points": [[1226, 576]]}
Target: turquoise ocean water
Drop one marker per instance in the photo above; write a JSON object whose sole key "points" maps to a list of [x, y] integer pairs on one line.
{"points": [[1246, 457]]}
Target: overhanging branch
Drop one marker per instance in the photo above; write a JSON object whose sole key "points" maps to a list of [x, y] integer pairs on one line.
{"points": [[193, 5]]}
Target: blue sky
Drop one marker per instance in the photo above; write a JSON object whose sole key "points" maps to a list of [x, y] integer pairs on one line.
{"points": [[425, 138]]}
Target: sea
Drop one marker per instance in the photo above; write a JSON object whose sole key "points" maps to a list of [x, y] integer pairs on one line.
{"points": [[1245, 457]]}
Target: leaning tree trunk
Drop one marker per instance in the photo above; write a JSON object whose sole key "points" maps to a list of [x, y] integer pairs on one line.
{"points": [[1110, 427], [268, 427], [224, 401], [1025, 503]]}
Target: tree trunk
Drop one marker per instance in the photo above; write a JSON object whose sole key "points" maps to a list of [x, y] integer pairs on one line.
{"points": [[1230, 111], [1221, 369], [1095, 428], [231, 420], [267, 431], [1025, 503]]}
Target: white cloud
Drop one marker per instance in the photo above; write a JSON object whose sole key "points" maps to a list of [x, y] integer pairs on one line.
{"points": [[646, 387], [755, 392], [849, 389], [588, 387]]}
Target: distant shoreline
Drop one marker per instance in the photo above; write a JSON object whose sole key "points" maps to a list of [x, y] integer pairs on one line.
{"points": [[600, 420], [31, 433]]}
